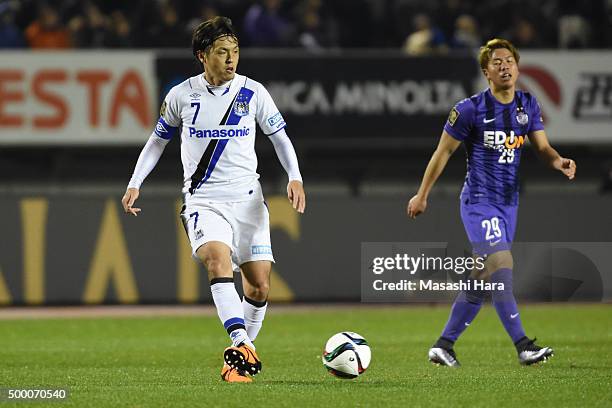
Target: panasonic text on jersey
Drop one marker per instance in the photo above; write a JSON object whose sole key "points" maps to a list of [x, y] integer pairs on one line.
{"points": [[218, 133]]}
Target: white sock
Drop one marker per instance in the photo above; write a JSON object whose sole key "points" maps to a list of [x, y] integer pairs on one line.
{"points": [[229, 309], [254, 313]]}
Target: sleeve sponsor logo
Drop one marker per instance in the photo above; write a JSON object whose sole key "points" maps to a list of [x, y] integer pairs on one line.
{"points": [[163, 130], [160, 130], [162, 110], [261, 249], [276, 120], [452, 117]]}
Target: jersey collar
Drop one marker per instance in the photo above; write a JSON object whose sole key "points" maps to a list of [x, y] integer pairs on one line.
{"points": [[216, 90]]}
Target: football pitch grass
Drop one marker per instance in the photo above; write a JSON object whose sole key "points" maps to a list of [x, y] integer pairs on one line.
{"points": [[176, 361]]}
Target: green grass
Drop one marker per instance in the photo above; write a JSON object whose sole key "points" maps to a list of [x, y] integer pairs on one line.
{"points": [[175, 361]]}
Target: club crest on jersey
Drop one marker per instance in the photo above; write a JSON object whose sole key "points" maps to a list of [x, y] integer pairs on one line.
{"points": [[241, 108], [522, 118]]}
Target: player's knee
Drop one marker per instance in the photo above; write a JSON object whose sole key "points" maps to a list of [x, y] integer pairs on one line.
{"points": [[478, 274], [259, 290], [216, 266], [497, 261]]}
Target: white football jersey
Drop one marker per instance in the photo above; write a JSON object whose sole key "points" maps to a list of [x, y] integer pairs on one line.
{"points": [[217, 128]]}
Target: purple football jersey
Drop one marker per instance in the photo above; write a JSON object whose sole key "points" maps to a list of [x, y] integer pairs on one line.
{"points": [[493, 134]]}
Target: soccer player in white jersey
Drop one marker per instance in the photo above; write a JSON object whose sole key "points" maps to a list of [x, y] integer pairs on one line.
{"points": [[224, 212]]}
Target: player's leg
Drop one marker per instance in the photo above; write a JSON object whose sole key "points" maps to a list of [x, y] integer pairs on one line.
{"points": [[463, 312], [499, 266], [216, 257], [466, 306], [254, 255], [211, 237], [499, 272], [505, 304], [256, 286], [253, 252]]}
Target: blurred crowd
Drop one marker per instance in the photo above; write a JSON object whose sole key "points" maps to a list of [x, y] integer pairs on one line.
{"points": [[417, 26]]}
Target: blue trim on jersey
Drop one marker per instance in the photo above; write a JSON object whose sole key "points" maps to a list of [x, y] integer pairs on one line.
{"points": [[244, 97], [190, 87], [275, 132], [233, 321], [214, 159], [164, 130]]}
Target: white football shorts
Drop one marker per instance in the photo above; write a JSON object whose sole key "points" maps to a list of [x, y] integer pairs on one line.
{"points": [[243, 226]]}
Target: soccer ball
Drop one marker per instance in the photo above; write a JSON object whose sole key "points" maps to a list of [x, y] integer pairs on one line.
{"points": [[346, 355]]}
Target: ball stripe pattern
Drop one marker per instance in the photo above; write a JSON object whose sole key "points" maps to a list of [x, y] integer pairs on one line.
{"points": [[346, 355]]}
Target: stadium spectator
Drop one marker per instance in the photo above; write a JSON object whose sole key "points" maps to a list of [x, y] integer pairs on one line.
{"points": [[426, 38], [169, 32], [120, 35], [311, 24], [466, 33], [10, 34], [47, 30], [90, 28], [448, 13], [316, 30], [573, 31], [264, 26], [524, 34], [207, 11]]}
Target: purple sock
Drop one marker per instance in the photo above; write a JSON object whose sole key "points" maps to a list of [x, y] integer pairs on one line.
{"points": [[505, 304], [464, 310]]}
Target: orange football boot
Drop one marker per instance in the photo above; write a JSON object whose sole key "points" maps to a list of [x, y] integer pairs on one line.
{"points": [[243, 358], [233, 375]]}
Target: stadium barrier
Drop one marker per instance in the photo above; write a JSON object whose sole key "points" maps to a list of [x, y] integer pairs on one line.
{"points": [[77, 98], [84, 250]]}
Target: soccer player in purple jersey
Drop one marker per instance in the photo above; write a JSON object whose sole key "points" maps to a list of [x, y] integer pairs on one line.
{"points": [[493, 126]]}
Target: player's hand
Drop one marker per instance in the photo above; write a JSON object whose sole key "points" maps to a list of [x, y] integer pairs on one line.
{"points": [[566, 166], [296, 195], [416, 206], [130, 196]]}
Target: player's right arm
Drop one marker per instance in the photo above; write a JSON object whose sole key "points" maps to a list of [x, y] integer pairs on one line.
{"points": [[167, 124], [149, 156], [457, 128], [437, 163]]}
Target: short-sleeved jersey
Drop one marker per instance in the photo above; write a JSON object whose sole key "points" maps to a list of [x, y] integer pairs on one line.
{"points": [[493, 135], [217, 128]]}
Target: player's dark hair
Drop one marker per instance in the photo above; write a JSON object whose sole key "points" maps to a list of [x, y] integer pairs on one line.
{"points": [[208, 31], [487, 50]]}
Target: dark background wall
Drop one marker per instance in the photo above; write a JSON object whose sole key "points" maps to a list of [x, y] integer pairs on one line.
{"points": [[60, 249]]}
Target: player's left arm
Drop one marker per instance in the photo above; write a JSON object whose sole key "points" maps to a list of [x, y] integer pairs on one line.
{"points": [[550, 156], [288, 159], [272, 123]]}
